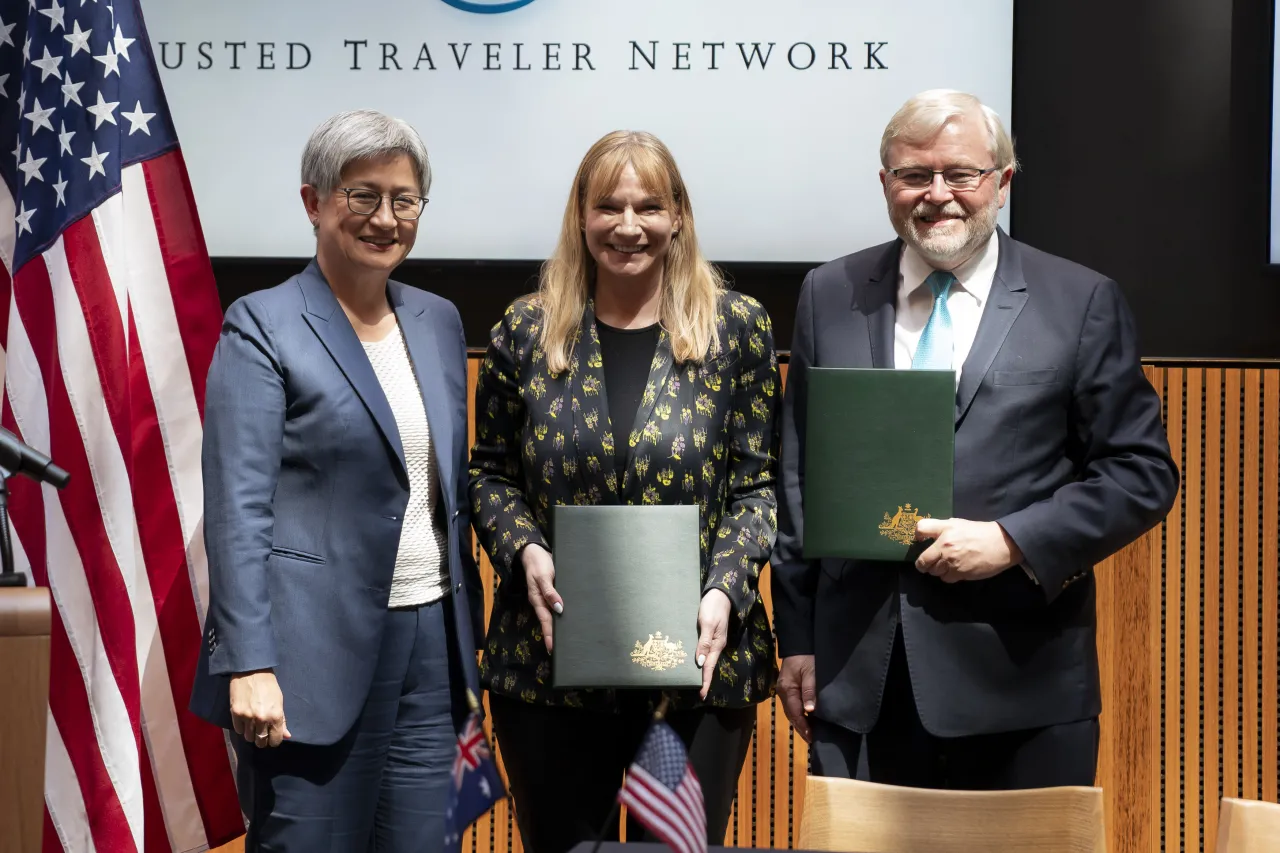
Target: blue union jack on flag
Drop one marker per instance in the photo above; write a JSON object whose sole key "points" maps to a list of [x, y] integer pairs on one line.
{"points": [[108, 319]]}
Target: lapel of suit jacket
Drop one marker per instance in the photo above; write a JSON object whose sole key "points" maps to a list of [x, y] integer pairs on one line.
{"points": [[876, 298], [424, 342], [1008, 296], [644, 425], [330, 323], [593, 448]]}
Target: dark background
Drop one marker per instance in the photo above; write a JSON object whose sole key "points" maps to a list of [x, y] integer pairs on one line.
{"points": [[1143, 127]]}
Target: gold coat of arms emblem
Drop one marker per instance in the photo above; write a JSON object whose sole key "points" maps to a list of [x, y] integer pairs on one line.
{"points": [[658, 652], [901, 526]]}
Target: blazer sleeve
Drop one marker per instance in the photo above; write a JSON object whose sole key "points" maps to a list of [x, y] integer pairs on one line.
{"points": [[241, 457], [750, 518], [501, 515], [466, 552], [1128, 479], [794, 579]]}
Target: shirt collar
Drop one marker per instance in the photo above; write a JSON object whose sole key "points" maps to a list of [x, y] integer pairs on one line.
{"points": [[974, 275]]}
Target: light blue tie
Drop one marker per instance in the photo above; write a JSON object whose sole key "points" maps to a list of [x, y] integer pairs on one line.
{"points": [[937, 341]]}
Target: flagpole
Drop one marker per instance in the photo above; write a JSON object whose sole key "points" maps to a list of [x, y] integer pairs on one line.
{"points": [[612, 819]]}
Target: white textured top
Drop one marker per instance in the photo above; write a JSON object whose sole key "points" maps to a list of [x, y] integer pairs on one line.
{"points": [[965, 301], [421, 573]]}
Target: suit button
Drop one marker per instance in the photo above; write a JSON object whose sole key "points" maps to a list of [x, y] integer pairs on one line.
{"points": [[458, 588]]}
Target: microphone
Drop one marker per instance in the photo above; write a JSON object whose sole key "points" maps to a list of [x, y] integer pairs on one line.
{"points": [[19, 458]]}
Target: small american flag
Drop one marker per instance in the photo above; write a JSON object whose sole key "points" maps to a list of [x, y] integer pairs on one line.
{"points": [[476, 783], [662, 792], [108, 319]]}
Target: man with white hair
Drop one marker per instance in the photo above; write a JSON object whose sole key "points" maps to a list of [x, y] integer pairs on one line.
{"points": [[975, 667]]}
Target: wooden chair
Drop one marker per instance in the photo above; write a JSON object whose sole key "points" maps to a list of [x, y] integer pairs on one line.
{"points": [[847, 815], [1248, 826]]}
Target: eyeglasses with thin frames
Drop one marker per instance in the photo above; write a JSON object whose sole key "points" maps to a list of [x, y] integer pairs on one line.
{"points": [[366, 203], [961, 180]]}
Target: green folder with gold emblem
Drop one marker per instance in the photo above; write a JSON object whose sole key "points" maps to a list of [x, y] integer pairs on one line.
{"points": [[879, 456], [630, 577]]}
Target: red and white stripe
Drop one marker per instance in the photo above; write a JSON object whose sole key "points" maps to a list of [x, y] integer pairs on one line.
{"points": [[105, 341], [677, 817]]}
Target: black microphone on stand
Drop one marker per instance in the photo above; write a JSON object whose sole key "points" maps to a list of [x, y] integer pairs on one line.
{"points": [[19, 458]]}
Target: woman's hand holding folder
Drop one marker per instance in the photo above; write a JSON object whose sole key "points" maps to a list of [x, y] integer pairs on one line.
{"points": [[713, 634], [540, 576]]}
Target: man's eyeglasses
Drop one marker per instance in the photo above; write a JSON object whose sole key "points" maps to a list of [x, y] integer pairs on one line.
{"points": [[916, 178], [367, 202]]}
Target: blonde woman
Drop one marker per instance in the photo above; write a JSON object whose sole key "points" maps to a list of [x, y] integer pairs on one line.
{"points": [[631, 377]]}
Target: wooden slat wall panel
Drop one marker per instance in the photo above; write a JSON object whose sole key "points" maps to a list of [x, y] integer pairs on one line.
{"points": [[1210, 665], [1219, 667], [1250, 592], [1229, 707], [1270, 631], [1188, 642], [1171, 753]]}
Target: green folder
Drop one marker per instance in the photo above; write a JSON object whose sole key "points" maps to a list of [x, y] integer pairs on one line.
{"points": [[879, 456], [630, 577]]}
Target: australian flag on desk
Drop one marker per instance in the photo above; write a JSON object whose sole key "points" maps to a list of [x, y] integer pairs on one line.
{"points": [[476, 784]]}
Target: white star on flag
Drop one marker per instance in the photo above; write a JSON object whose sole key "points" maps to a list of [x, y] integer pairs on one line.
{"points": [[56, 15], [110, 62], [39, 117], [61, 189], [4, 81], [70, 90], [138, 120], [94, 161], [48, 65], [31, 168], [24, 218], [121, 44], [79, 39], [6, 36], [103, 111], [64, 139]]}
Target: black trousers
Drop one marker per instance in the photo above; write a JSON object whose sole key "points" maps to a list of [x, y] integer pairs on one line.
{"points": [[565, 765], [900, 751]]}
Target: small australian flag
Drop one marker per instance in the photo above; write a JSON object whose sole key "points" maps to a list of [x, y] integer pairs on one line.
{"points": [[476, 783]]}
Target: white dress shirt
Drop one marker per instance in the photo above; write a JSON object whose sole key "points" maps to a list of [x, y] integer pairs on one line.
{"points": [[965, 301]]}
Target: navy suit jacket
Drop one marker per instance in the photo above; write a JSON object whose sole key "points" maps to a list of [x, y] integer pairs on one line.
{"points": [[1058, 437], [305, 489]]}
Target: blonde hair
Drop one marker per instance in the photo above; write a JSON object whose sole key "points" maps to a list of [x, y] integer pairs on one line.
{"points": [[924, 115], [691, 287]]}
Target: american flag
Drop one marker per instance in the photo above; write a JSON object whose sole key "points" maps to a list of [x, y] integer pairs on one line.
{"points": [[108, 319], [662, 792], [476, 783]]}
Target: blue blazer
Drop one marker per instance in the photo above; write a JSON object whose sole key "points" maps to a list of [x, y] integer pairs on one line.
{"points": [[305, 488]]}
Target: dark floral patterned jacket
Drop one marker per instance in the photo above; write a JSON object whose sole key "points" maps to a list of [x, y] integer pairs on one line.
{"points": [[704, 434]]}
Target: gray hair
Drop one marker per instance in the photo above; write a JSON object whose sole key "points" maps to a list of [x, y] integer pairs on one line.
{"points": [[924, 115], [360, 135]]}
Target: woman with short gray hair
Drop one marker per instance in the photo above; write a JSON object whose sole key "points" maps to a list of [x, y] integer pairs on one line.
{"points": [[342, 590]]}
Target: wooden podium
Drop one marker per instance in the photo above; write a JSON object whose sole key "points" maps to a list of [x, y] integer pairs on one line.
{"points": [[24, 671]]}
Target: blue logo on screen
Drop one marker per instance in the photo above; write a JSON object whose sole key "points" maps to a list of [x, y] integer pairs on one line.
{"points": [[488, 7]]}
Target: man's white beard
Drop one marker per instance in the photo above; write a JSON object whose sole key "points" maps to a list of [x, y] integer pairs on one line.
{"points": [[958, 242]]}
